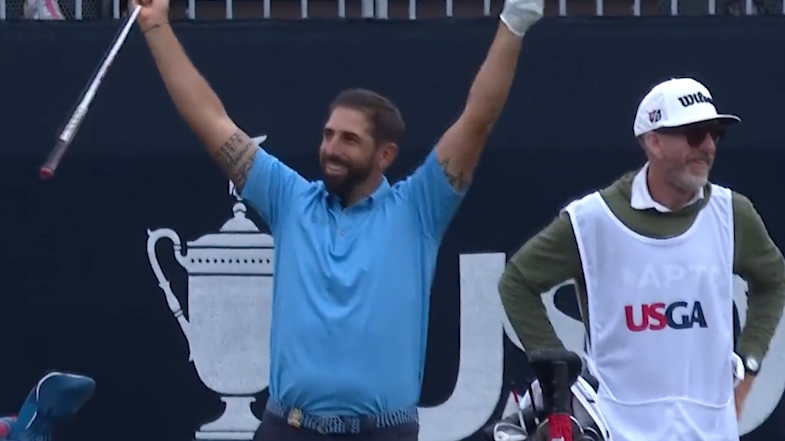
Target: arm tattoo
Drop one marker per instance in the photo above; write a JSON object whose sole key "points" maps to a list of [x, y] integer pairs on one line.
{"points": [[236, 157], [459, 180]]}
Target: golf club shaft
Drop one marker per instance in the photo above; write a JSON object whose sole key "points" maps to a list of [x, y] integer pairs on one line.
{"points": [[76, 118]]}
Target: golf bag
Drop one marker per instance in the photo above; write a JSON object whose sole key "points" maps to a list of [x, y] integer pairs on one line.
{"points": [[54, 399], [560, 405]]}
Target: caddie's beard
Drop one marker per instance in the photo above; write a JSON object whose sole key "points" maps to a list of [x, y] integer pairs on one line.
{"points": [[688, 180], [691, 182], [343, 185]]}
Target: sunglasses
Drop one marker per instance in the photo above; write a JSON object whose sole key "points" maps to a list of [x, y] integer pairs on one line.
{"points": [[695, 133]]}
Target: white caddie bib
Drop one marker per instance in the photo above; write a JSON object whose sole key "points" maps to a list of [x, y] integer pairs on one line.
{"points": [[661, 322]]}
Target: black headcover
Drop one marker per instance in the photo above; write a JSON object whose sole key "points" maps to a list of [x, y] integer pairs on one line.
{"points": [[556, 370]]}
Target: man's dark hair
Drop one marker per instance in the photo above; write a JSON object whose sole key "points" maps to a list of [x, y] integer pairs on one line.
{"points": [[386, 121]]}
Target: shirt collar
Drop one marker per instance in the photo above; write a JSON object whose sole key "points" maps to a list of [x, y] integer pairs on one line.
{"points": [[641, 198], [381, 190], [377, 194]]}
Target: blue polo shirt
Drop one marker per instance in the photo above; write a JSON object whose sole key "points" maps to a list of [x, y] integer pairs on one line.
{"points": [[351, 287]]}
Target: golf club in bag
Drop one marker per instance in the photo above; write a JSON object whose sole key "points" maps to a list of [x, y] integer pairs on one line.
{"points": [[560, 405]]}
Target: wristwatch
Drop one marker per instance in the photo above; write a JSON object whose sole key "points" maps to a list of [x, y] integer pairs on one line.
{"points": [[751, 365]]}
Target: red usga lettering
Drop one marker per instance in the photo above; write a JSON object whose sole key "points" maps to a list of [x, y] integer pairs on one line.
{"points": [[658, 316]]}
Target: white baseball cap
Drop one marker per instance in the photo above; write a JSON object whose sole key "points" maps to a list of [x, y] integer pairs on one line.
{"points": [[677, 102]]}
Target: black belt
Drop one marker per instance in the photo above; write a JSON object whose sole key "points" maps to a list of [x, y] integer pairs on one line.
{"points": [[340, 425]]}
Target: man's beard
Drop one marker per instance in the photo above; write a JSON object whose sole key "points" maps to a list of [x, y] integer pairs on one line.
{"points": [[343, 186], [688, 181]]}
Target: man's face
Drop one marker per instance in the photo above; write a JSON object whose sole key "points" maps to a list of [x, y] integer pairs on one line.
{"points": [[687, 153], [348, 153]]}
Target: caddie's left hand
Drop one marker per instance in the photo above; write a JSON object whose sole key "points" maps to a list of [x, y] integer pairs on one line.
{"points": [[520, 15], [742, 390]]}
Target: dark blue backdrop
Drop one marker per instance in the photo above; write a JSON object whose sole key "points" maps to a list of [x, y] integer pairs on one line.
{"points": [[79, 293]]}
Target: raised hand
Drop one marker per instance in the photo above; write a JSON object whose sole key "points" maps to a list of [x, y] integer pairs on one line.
{"points": [[154, 13], [519, 15]]}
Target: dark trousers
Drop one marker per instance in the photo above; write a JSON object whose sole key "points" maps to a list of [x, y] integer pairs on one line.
{"points": [[274, 428]]}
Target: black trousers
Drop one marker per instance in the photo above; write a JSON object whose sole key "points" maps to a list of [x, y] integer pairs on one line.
{"points": [[274, 428]]}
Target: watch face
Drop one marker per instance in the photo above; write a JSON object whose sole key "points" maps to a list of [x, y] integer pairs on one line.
{"points": [[752, 364]]}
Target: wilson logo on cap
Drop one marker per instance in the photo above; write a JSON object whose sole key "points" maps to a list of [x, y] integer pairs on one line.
{"points": [[688, 100]]}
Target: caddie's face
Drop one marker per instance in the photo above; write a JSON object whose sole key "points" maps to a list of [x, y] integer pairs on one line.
{"points": [[347, 151], [688, 153]]}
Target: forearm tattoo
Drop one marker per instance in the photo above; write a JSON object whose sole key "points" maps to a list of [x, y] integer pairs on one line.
{"points": [[236, 157], [458, 180]]}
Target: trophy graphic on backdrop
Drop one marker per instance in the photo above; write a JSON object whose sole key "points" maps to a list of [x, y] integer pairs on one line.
{"points": [[230, 279]]}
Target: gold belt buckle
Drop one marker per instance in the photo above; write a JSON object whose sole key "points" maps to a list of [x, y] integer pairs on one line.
{"points": [[295, 418]]}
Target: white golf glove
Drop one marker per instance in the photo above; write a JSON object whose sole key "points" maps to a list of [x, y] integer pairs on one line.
{"points": [[519, 15]]}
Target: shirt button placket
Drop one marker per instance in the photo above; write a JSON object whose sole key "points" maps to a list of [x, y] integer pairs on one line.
{"points": [[342, 225]]}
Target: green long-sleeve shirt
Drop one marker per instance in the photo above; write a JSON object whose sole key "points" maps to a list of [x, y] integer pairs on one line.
{"points": [[551, 257]]}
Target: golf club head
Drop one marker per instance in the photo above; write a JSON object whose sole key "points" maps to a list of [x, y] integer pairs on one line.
{"points": [[55, 398]]}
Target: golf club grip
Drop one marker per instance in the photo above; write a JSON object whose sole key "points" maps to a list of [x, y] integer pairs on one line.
{"points": [[561, 393], [559, 420], [48, 169]]}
